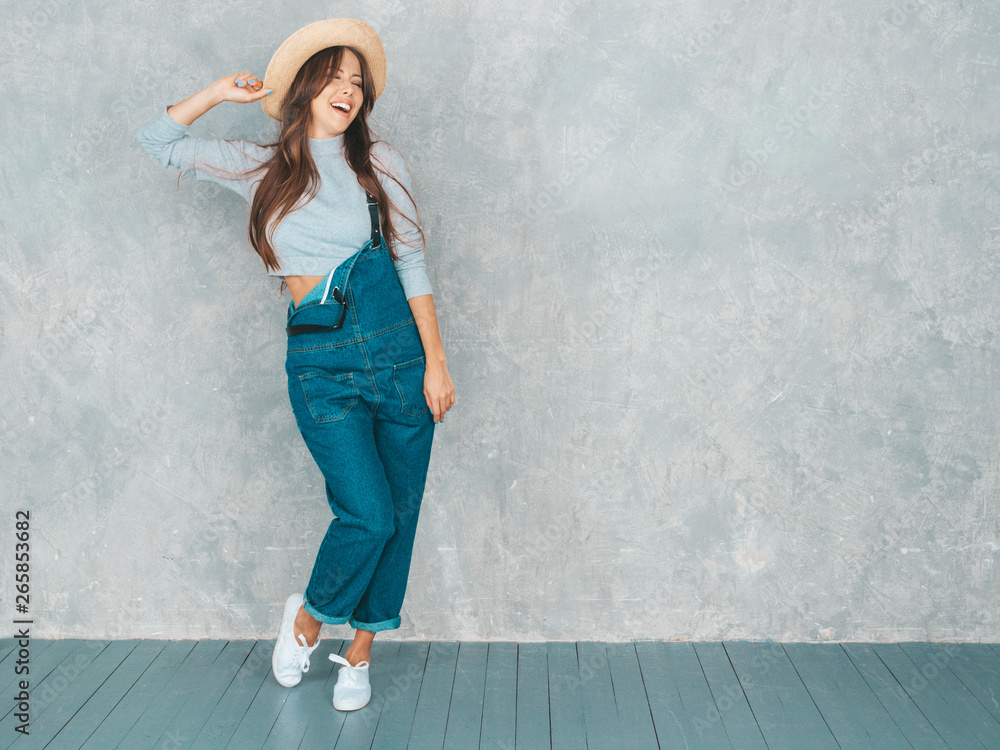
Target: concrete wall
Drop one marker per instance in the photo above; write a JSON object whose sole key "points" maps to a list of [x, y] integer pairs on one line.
{"points": [[717, 282]]}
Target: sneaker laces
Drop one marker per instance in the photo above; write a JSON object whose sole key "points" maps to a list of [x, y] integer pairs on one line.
{"points": [[348, 674], [300, 659]]}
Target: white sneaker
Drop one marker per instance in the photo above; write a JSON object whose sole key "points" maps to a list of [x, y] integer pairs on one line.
{"points": [[352, 690], [289, 659]]}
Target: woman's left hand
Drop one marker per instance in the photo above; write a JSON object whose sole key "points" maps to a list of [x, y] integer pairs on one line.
{"points": [[438, 389]]}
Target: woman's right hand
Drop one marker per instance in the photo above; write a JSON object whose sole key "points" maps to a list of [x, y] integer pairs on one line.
{"points": [[228, 89]]}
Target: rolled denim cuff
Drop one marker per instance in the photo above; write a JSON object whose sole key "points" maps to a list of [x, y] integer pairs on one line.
{"points": [[317, 615], [375, 627]]}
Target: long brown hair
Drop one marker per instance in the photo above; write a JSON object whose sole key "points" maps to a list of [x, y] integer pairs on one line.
{"points": [[291, 172]]}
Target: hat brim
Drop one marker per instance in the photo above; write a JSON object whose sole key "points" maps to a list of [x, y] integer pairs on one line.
{"points": [[307, 41]]}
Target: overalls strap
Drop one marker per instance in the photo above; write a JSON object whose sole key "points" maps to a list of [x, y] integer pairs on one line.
{"points": [[345, 271], [376, 228]]}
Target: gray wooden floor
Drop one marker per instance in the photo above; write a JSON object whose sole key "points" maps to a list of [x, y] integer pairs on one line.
{"points": [[209, 695]]}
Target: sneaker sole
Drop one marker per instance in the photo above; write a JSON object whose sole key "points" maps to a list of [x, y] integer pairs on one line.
{"points": [[352, 707]]}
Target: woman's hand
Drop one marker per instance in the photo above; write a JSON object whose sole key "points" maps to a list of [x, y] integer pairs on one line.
{"points": [[243, 88], [438, 389], [224, 90]]}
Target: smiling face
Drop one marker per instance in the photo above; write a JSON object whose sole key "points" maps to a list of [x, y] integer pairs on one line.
{"points": [[336, 106]]}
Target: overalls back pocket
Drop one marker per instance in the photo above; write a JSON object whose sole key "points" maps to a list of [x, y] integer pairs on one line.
{"points": [[329, 397], [408, 377]]}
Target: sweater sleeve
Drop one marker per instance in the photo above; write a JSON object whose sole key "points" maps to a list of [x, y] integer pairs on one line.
{"points": [[168, 141], [410, 267]]}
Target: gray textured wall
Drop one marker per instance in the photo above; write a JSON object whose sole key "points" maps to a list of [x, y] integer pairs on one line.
{"points": [[717, 282]]}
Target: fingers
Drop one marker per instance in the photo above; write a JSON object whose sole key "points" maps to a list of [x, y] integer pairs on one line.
{"points": [[252, 85], [247, 80], [436, 406], [441, 407]]}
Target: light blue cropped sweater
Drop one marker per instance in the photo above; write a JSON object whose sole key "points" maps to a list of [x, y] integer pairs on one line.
{"points": [[313, 239]]}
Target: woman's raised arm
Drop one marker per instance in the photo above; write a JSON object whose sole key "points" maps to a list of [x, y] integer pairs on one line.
{"points": [[223, 161]]}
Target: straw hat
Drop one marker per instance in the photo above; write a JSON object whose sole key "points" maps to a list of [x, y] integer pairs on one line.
{"points": [[309, 40]]}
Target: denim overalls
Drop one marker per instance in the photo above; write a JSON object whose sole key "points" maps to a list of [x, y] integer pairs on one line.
{"points": [[357, 395]]}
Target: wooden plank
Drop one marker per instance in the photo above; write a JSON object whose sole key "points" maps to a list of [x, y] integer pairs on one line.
{"points": [[269, 702], [402, 688], [85, 722], [465, 714], [907, 717], [200, 703], [531, 727], [569, 731], [978, 667], [932, 660], [64, 665], [848, 705], [724, 718], [239, 694], [500, 696], [630, 696], [680, 699], [600, 714], [785, 712], [309, 699], [178, 687], [9, 678], [9, 654], [430, 719], [928, 700], [143, 692], [74, 689], [40, 662], [359, 726]]}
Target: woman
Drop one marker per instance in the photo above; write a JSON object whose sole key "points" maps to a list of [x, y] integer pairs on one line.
{"points": [[367, 375]]}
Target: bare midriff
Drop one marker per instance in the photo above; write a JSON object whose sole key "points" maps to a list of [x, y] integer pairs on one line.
{"points": [[300, 286]]}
